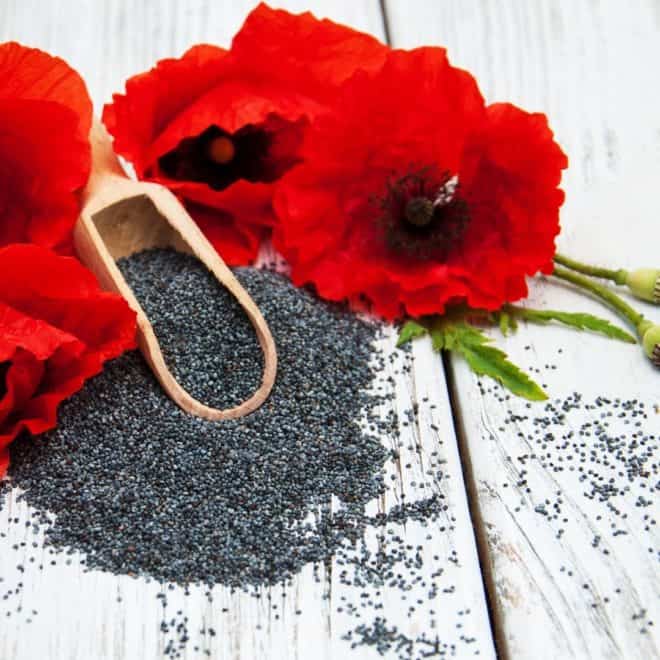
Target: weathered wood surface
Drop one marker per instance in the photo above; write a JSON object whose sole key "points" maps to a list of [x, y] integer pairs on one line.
{"points": [[574, 577], [89, 616], [590, 66]]}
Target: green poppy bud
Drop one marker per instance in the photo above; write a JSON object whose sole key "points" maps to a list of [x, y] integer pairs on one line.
{"points": [[651, 343], [644, 283]]}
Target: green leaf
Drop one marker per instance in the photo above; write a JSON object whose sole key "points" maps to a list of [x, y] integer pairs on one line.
{"points": [[490, 361], [454, 334], [410, 330], [487, 360], [578, 320], [466, 334]]}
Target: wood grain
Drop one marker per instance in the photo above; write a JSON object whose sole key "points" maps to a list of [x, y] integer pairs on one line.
{"points": [[583, 583], [90, 616]]}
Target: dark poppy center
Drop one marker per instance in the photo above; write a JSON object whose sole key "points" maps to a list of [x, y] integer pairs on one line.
{"points": [[258, 153], [423, 214]]}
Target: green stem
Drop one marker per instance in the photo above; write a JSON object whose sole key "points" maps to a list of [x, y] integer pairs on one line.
{"points": [[619, 276], [521, 312], [624, 310]]}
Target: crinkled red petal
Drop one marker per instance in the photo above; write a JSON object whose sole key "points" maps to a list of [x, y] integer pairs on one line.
{"points": [[21, 381], [31, 74], [236, 242], [43, 164], [57, 328], [154, 99], [45, 114], [303, 52]]}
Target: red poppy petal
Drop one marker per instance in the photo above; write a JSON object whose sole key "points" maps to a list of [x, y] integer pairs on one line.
{"points": [[515, 189], [29, 73], [236, 242], [153, 99], [234, 220], [59, 378], [21, 381], [231, 105], [540, 162], [60, 295], [65, 374], [43, 165], [45, 117], [251, 199], [32, 335], [26, 266], [312, 55], [57, 328]]}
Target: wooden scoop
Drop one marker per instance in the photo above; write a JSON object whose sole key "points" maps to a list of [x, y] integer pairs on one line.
{"points": [[120, 217]]}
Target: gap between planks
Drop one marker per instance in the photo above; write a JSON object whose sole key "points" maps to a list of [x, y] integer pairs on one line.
{"points": [[481, 540], [478, 523]]}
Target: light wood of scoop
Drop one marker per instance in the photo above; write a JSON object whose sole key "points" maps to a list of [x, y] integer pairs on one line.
{"points": [[120, 217]]}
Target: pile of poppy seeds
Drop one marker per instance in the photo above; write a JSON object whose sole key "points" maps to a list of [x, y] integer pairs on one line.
{"points": [[140, 488]]}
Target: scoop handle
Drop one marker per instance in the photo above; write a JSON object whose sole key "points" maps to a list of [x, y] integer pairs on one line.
{"points": [[108, 185]]}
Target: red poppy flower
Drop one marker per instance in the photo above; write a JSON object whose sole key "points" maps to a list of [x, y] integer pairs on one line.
{"points": [[220, 127], [57, 328], [414, 194], [45, 116]]}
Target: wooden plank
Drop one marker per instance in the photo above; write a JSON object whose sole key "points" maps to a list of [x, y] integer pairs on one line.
{"points": [[85, 616], [574, 568]]}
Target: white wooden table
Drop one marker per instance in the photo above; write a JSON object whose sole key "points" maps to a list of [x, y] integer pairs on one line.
{"points": [[527, 583]]}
